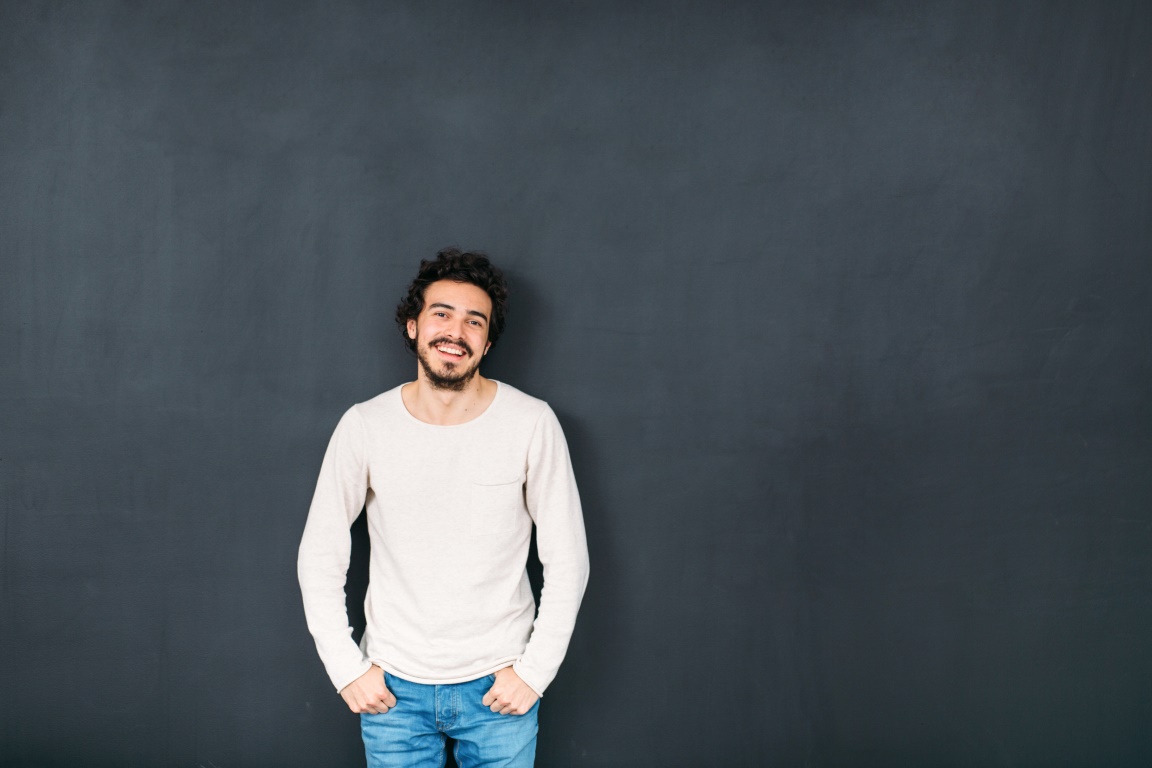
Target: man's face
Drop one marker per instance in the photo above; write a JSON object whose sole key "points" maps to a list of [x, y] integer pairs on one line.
{"points": [[451, 333]]}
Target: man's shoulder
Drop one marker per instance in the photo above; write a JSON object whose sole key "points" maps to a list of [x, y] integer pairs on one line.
{"points": [[515, 400], [382, 405]]}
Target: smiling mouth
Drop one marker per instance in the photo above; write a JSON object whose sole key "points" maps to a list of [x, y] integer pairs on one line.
{"points": [[450, 349]]}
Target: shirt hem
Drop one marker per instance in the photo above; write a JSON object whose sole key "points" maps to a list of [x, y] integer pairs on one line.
{"points": [[450, 680]]}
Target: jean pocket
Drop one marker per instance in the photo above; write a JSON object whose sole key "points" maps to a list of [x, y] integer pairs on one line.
{"points": [[496, 507]]}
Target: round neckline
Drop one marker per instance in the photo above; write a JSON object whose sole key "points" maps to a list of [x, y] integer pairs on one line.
{"points": [[480, 416]]}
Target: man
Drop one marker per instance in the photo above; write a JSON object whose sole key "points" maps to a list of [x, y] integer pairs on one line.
{"points": [[453, 469]]}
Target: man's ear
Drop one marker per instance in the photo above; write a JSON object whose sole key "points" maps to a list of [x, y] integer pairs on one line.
{"points": [[487, 346], [412, 329]]}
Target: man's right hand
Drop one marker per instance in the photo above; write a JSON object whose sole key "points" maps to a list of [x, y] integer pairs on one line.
{"points": [[368, 694]]}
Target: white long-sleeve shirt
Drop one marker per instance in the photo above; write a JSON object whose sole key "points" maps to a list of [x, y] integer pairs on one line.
{"points": [[450, 513]]}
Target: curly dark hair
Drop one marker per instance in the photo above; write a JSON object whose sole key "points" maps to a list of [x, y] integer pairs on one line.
{"points": [[463, 267]]}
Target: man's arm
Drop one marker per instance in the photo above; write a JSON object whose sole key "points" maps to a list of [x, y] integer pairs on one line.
{"points": [[554, 504], [325, 549]]}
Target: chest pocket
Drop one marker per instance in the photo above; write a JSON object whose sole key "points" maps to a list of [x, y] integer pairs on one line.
{"points": [[496, 507]]}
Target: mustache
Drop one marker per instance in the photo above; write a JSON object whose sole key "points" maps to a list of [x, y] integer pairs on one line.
{"points": [[445, 340]]}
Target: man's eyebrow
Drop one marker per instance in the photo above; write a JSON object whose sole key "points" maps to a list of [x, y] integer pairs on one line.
{"points": [[451, 308]]}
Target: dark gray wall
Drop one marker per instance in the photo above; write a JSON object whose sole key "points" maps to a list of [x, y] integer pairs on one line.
{"points": [[845, 309]]}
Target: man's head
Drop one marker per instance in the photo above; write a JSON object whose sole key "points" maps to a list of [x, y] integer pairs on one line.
{"points": [[452, 314]]}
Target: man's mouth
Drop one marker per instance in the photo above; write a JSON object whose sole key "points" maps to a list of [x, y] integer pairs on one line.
{"points": [[451, 349]]}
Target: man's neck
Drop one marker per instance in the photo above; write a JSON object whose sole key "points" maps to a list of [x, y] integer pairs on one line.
{"points": [[444, 407]]}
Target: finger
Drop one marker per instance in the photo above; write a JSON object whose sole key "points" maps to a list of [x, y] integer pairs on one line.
{"points": [[496, 707], [390, 699], [488, 698]]}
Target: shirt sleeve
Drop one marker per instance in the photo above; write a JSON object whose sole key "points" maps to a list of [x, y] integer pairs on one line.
{"points": [[554, 504], [325, 549]]}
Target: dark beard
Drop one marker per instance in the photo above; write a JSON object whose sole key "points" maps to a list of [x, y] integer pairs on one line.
{"points": [[453, 380]]}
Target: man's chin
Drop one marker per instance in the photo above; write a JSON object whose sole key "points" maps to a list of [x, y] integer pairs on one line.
{"points": [[449, 378], [456, 384]]}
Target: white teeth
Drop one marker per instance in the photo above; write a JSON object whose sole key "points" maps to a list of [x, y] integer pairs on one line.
{"points": [[450, 351]]}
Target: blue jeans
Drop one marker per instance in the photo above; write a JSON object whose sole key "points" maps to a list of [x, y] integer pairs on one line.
{"points": [[412, 734]]}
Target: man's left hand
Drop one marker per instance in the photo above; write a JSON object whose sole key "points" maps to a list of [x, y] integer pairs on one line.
{"points": [[509, 695]]}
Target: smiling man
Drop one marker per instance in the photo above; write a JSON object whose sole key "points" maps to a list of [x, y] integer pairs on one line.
{"points": [[453, 470]]}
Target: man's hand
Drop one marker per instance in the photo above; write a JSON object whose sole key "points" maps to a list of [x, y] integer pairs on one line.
{"points": [[509, 695], [368, 694]]}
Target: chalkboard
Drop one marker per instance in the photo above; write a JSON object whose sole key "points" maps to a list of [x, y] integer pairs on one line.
{"points": [[844, 309]]}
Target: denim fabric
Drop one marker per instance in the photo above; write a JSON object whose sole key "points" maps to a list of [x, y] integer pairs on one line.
{"points": [[412, 734]]}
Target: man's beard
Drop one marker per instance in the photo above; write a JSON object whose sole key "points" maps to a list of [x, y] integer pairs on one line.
{"points": [[456, 377]]}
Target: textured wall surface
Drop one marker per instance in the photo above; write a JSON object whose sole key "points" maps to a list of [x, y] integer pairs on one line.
{"points": [[845, 309]]}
